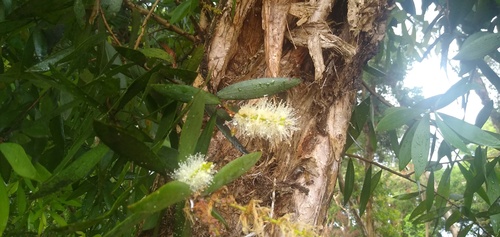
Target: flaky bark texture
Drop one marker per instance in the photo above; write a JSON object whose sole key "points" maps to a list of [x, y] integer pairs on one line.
{"points": [[325, 43]]}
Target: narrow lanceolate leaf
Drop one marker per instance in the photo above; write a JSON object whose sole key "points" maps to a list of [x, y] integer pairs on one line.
{"points": [[157, 53], [452, 219], [184, 93], [349, 181], [4, 206], [191, 129], [233, 170], [130, 148], [420, 145], [397, 117], [478, 45], [484, 114], [450, 136], [404, 154], [257, 88], [365, 191], [206, 136], [19, 160], [456, 90], [123, 228], [418, 210], [443, 189], [169, 194], [407, 196], [74, 172], [470, 132], [429, 192]]}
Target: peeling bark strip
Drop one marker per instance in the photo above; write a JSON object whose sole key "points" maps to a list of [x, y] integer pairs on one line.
{"points": [[223, 43], [296, 179], [274, 13]]}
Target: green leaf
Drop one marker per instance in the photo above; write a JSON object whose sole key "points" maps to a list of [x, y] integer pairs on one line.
{"points": [[418, 210], [407, 196], [443, 189], [456, 90], [185, 93], [232, 171], [191, 129], [257, 88], [19, 160], [186, 76], [157, 53], [206, 136], [133, 55], [195, 58], [51, 60], [465, 231], [135, 88], [349, 181], [452, 219], [484, 114], [14, 25], [489, 73], [365, 191], [470, 132], [431, 216], [429, 191], [128, 147], [4, 206], [124, 227], [79, 10], [111, 7], [358, 119], [397, 117], [219, 217], [184, 9], [404, 154], [375, 181], [74, 172], [450, 136], [478, 45], [169, 194], [420, 145]]}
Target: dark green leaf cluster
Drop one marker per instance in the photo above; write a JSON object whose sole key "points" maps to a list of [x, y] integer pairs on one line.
{"points": [[89, 123]]}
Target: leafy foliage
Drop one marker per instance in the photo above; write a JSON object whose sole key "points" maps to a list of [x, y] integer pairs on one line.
{"points": [[98, 108], [90, 124]]}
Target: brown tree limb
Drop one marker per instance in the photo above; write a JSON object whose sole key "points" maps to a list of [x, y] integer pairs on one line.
{"points": [[162, 22], [374, 93], [108, 27], [144, 24]]}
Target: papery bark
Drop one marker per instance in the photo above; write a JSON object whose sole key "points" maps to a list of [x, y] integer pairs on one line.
{"points": [[297, 178]]}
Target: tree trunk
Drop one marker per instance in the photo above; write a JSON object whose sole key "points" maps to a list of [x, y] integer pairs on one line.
{"points": [[261, 38]]}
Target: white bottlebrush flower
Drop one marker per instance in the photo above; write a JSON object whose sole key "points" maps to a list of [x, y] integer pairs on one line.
{"points": [[195, 171], [271, 121]]}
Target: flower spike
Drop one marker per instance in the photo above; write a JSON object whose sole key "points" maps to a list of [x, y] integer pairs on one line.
{"points": [[268, 120], [196, 172]]}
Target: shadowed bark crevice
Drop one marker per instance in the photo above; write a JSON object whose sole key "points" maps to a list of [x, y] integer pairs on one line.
{"points": [[298, 177]]}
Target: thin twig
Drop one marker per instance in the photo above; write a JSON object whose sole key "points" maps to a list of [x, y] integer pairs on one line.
{"points": [[163, 22], [413, 181], [144, 23], [374, 93], [383, 167], [109, 28]]}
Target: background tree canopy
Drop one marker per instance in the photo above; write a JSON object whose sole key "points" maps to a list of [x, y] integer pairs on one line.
{"points": [[104, 103]]}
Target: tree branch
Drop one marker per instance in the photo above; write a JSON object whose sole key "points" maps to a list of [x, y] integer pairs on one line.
{"points": [[108, 28], [374, 93], [413, 181], [144, 24], [162, 22]]}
